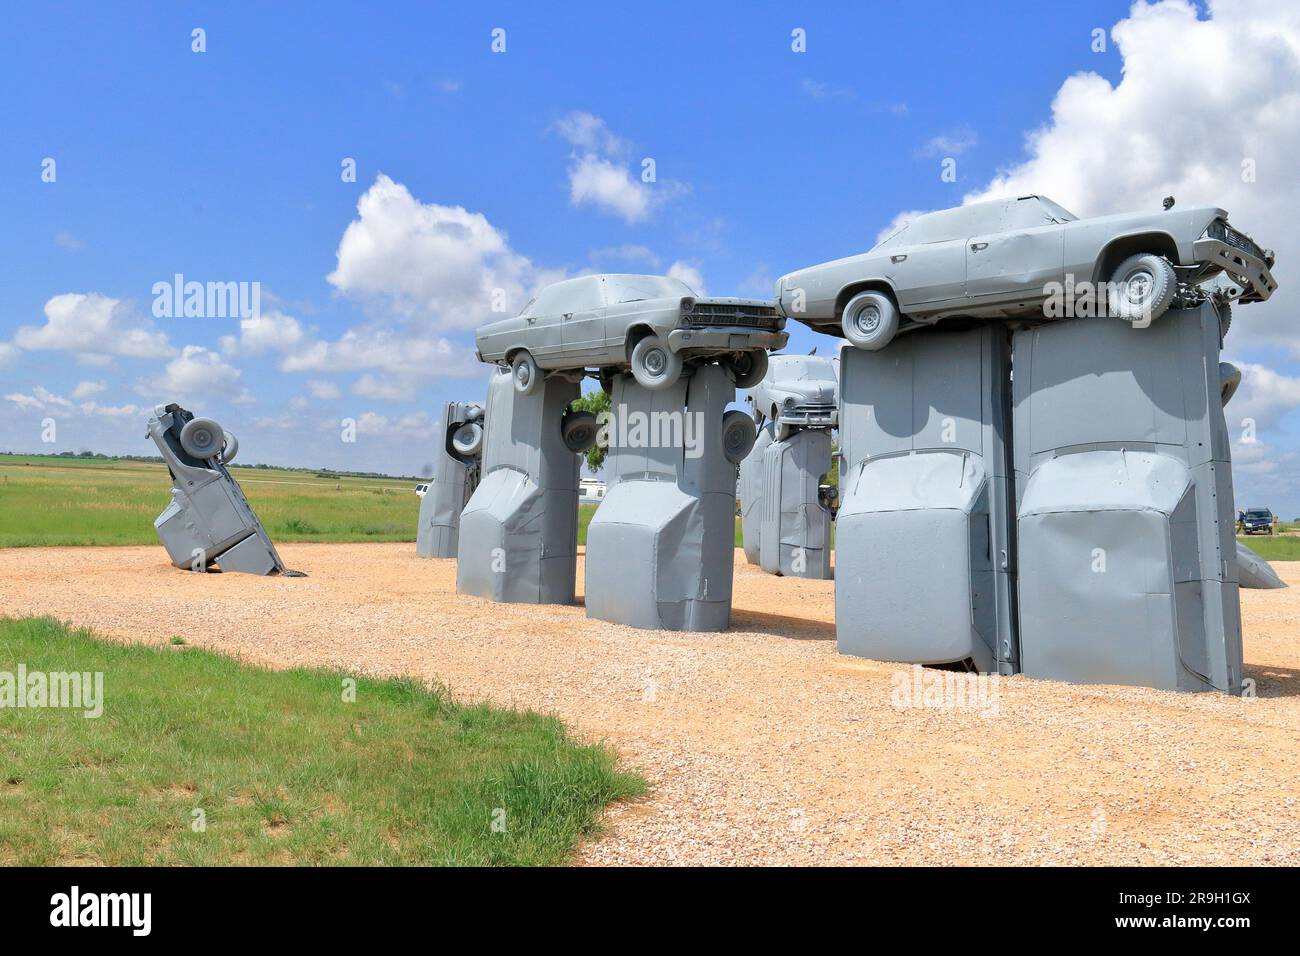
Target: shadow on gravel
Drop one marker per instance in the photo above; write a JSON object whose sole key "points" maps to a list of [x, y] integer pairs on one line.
{"points": [[1271, 681], [782, 625]]}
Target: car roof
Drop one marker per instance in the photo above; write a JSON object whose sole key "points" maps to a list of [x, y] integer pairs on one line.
{"points": [[619, 285], [961, 222]]}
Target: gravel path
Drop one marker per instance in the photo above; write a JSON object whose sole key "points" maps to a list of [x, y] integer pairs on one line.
{"points": [[763, 745]]}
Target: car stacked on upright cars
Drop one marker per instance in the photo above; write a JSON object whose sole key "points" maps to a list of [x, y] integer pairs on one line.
{"points": [[1005, 258], [652, 326]]}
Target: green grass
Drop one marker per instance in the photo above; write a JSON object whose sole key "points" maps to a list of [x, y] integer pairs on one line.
{"points": [[52, 501], [1273, 547], [283, 769], [67, 501]]}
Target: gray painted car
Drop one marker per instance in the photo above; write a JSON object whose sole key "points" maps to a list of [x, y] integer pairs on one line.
{"points": [[798, 390], [650, 325], [1007, 258]]}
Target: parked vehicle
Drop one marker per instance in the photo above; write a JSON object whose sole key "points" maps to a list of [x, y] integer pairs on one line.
{"points": [[421, 489], [591, 490], [1258, 521], [652, 325], [1005, 258]]}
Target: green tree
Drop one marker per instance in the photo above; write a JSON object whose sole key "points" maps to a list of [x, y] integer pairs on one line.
{"points": [[595, 401]]}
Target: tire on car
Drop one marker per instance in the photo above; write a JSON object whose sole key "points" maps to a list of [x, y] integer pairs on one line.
{"points": [[1225, 319], [229, 448], [746, 369], [1229, 381], [1142, 288], [525, 372], [654, 365], [467, 440], [738, 435], [202, 438], [870, 320], [578, 429]]}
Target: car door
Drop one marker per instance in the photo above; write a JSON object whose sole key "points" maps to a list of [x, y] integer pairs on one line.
{"points": [[1018, 260], [925, 275], [582, 323], [928, 267]]}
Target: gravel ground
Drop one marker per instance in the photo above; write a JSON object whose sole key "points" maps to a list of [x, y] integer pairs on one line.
{"points": [[762, 744]]}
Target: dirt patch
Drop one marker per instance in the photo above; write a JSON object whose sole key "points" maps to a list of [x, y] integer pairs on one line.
{"points": [[764, 746]]}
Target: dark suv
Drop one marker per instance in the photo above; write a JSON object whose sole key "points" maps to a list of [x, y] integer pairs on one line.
{"points": [[1257, 521]]}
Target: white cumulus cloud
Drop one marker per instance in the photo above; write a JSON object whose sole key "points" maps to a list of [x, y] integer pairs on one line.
{"points": [[94, 327], [197, 374], [443, 265], [688, 272], [599, 174]]}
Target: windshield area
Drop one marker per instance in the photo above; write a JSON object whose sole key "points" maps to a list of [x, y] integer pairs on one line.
{"points": [[892, 240], [1056, 213], [637, 288], [1266, 515]]}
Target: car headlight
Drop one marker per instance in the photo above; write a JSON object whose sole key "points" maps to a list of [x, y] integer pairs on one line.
{"points": [[688, 305]]}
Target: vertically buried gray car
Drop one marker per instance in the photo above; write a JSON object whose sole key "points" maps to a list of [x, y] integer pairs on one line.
{"points": [[1012, 257], [652, 325], [798, 390]]}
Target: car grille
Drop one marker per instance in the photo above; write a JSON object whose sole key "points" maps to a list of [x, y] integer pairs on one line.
{"points": [[719, 313], [1238, 240]]}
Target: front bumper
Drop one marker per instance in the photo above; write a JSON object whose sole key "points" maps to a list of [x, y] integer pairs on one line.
{"points": [[726, 339], [810, 416], [1239, 263]]}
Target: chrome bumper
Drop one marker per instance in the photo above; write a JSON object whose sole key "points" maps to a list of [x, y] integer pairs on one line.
{"points": [[810, 416], [1238, 262], [726, 339]]}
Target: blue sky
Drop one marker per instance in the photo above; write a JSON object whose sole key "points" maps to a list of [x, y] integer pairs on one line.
{"points": [[225, 166]]}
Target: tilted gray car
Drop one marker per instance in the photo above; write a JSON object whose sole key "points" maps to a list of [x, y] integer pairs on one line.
{"points": [[652, 325], [1008, 257], [798, 390]]}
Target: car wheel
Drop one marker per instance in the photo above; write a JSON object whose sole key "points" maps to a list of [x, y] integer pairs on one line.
{"points": [[746, 369], [527, 376], [467, 440], [654, 365], [738, 435], [229, 448], [870, 320], [782, 430], [607, 381], [202, 438], [1142, 288], [1229, 381], [578, 429]]}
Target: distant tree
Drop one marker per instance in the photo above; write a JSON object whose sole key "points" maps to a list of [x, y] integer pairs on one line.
{"points": [[595, 401]]}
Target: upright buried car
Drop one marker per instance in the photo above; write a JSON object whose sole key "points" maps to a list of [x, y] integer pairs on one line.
{"points": [[798, 390], [652, 325], [1007, 257]]}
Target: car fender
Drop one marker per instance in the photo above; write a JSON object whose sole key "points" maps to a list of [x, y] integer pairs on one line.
{"points": [[862, 284], [1096, 256]]}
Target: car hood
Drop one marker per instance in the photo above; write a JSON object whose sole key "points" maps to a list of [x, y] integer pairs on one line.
{"points": [[1181, 223], [733, 300]]}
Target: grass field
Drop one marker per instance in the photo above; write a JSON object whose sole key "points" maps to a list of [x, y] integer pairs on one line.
{"points": [[283, 770], [1276, 547], [69, 501], [51, 500]]}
